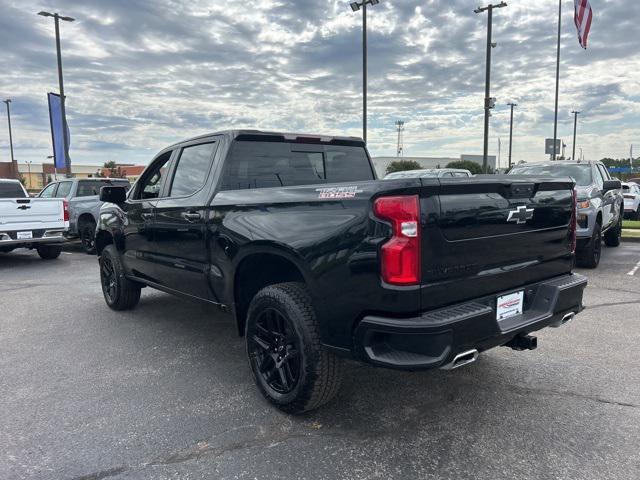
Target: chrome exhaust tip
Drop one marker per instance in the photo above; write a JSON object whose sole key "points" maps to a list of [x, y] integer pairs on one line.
{"points": [[462, 359], [566, 319]]}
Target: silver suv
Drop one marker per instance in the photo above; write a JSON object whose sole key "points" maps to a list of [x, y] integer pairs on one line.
{"points": [[600, 204]]}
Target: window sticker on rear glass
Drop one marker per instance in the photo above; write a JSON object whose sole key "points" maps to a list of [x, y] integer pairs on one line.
{"points": [[338, 192]]}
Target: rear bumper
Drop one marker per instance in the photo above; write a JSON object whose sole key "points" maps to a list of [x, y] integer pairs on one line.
{"points": [[434, 338], [45, 237]]}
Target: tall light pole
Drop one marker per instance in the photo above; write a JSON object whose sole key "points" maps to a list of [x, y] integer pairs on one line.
{"points": [[489, 102], [512, 105], [65, 140], [555, 121], [355, 6], [14, 167], [575, 130]]}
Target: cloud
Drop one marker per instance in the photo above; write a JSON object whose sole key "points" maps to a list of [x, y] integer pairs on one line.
{"points": [[140, 75]]}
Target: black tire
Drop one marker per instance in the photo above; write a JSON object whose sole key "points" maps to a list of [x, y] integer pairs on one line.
{"points": [[636, 215], [49, 252], [589, 256], [88, 237], [119, 292], [290, 365], [613, 237]]}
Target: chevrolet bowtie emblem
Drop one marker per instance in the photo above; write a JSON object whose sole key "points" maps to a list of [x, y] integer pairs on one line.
{"points": [[521, 215]]}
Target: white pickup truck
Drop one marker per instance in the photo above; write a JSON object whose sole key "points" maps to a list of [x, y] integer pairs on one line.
{"points": [[25, 222]]}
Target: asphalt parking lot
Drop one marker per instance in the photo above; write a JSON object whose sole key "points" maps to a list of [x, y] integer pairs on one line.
{"points": [[165, 392]]}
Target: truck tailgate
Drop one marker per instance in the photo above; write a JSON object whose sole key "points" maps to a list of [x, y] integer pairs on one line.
{"points": [[17, 214], [493, 233]]}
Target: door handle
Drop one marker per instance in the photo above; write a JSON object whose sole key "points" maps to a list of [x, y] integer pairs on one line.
{"points": [[191, 216], [147, 216]]}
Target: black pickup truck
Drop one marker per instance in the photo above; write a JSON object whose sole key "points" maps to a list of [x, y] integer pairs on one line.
{"points": [[318, 260]]}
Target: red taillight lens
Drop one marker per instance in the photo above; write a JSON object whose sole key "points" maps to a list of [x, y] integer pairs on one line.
{"points": [[401, 254], [573, 226], [66, 210]]}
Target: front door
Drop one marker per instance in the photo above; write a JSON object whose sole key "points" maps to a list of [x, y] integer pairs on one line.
{"points": [[139, 244], [180, 222], [610, 215]]}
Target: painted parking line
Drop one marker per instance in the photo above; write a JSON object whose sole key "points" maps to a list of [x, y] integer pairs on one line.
{"points": [[635, 269]]}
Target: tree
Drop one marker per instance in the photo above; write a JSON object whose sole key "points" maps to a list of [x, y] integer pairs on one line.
{"points": [[403, 166], [114, 170], [473, 167]]}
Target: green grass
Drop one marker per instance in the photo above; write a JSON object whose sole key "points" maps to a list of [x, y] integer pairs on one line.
{"points": [[631, 224]]}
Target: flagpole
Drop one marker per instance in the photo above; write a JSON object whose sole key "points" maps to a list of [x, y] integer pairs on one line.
{"points": [[555, 122]]}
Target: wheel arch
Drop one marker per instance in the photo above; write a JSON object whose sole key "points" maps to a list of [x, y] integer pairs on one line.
{"points": [[259, 267], [84, 218]]}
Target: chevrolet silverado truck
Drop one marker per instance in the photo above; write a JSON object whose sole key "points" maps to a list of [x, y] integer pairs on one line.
{"points": [[34, 223], [82, 195], [600, 205], [317, 260]]}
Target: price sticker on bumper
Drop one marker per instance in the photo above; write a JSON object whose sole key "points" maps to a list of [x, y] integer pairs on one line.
{"points": [[509, 305]]}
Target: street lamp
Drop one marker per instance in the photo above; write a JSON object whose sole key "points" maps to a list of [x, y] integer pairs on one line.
{"points": [[57, 18], [356, 6], [512, 105], [13, 161], [489, 102]]}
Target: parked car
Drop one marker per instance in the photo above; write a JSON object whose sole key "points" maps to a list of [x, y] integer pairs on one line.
{"points": [[34, 223], [84, 204], [631, 192], [430, 173], [600, 204], [317, 260]]}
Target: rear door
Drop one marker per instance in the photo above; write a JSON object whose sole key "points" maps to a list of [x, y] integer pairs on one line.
{"points": [[491, 233], [180, 231]]}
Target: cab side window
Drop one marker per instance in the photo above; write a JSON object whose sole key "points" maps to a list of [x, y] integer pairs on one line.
{"points": [[604, 172], [192, 170], [151, 183], [598, 178], [64, 189], [48, 191]]}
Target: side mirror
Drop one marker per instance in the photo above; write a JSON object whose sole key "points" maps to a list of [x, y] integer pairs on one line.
{"points": [[115, 195], [611, 185]]}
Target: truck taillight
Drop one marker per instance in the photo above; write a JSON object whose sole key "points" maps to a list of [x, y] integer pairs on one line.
{"points": [[65, 204], [573, 226], [400, 256]]}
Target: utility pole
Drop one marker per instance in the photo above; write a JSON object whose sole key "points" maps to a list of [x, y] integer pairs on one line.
{"points": [[631, 157], [63, 112], [575, 129], [400, 126], [555, 122], [355, 6], [29, 162], [512, 105], [14, 166], [489, 102]]}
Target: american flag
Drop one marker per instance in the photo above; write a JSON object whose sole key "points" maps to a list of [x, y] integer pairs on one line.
{"points": [[583, 18]]}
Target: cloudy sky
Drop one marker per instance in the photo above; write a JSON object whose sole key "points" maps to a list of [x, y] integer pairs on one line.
{"points": [[142, 74]]}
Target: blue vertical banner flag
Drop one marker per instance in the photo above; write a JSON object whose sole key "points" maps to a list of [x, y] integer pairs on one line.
{"points": [[57, 129]]}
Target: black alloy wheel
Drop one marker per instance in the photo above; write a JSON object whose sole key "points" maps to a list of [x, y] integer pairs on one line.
{"points": [[88, 238], [275, 351], [109, 279]]}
